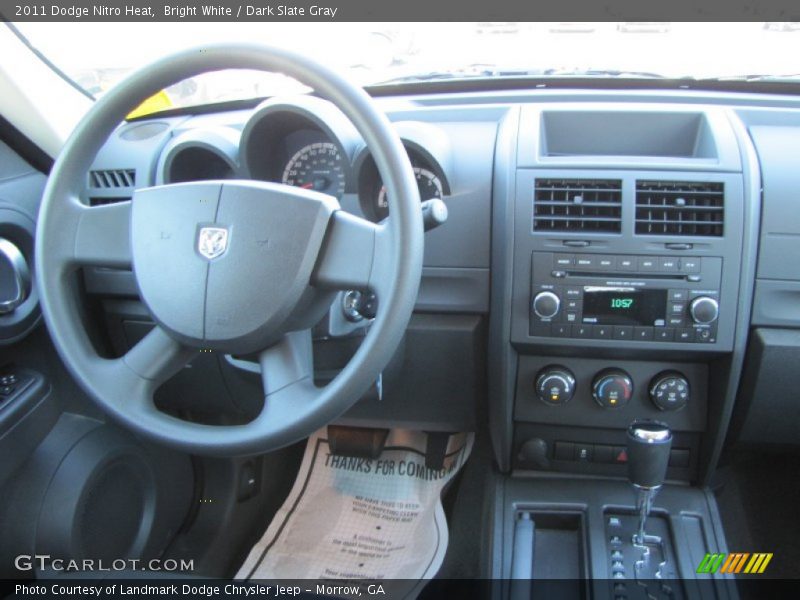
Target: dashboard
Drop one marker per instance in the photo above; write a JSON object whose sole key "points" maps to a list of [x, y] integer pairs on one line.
{"points": [[608, 255]]}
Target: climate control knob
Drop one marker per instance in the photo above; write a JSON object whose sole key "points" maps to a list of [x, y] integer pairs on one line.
{"points": [[704, 310], [612, 388], [546, 304], [555, 385], [669, 390]]}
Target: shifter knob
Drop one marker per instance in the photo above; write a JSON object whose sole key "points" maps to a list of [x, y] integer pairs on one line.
{"points": [[649, 443]]}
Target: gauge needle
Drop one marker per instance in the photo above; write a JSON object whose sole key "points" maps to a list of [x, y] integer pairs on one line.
{"points": [[307, 186]]}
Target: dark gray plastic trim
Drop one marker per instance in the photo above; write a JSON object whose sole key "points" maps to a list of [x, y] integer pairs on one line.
{"points": [[502, 357], [776, 303], [220, 141], [714, 147], [721, 406]]}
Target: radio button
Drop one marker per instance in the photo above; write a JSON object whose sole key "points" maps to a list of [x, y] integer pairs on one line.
{"points": [[648, 263], [601, 332], [663, 334], [586, 261], [704, 310], [627, 263], [581, 331], [605, 263], [623, 332], [690, 265], [560, 330], [563, 260], [540, 328], [669, 264], [546, 304], [573, 292], [678, 295], [643, 334], [685, 335]]}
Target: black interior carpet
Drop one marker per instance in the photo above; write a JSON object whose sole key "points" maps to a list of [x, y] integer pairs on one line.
{"points": [[466, 505], [759, 502]]}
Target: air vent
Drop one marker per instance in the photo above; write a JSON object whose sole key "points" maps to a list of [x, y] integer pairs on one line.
{"points": [[680, 208], [101, 200], [579, 205], [112, 178]]}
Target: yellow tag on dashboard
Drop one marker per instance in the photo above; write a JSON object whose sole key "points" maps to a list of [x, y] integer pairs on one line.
{"points": [[155, 103]]}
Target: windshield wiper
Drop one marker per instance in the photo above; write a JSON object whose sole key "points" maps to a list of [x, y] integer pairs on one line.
{"points": [[756, 78], [492, 71], [431, 76], [615, 73]]}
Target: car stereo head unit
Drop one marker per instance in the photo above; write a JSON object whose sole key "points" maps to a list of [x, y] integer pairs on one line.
{"points": [[625, 297], [624, 306]]}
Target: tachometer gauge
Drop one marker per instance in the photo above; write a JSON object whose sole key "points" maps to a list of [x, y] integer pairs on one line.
{"points": [[429, 185], [317, 167]]}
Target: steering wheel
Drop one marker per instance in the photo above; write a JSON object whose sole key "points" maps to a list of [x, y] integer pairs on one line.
{"points": [[235, 266]]}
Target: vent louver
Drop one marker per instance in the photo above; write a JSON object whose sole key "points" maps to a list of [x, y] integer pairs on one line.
{"points": [[579, 205], [680, 208], [101, 200], [109, 186], [112, 178]]}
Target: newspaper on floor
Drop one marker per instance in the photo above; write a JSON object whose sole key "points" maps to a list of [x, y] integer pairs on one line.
{"points": [[361, 519]]}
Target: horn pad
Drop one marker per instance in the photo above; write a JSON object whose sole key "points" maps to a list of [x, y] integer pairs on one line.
{"points": [[223, 265]]}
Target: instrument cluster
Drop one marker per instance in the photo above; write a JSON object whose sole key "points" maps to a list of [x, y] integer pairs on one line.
{"points": [[306, 142]]}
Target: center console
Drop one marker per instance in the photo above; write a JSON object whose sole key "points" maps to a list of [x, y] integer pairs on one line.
{"points": [[625, 281], [619, 295]]}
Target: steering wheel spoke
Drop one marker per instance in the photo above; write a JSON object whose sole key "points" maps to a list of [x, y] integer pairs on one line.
{"points": [[157, 357], [287, 374], [102, 237], [287, 363], [350, 258]]}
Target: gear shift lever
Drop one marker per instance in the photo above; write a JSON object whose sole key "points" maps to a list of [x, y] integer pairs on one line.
{"points": [[649, 443]]}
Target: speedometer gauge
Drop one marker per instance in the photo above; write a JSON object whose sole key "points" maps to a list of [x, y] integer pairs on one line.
{"points": [[429, 185], [317, 167]]}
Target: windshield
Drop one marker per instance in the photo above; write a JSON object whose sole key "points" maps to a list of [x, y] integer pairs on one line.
{"points": [[98, 55]]}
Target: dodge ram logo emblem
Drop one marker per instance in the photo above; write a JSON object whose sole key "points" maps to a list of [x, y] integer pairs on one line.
{"points": [[212, 241]]}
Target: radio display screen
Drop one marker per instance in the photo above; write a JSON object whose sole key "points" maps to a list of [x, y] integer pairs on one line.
{"points": [[625, 307]]}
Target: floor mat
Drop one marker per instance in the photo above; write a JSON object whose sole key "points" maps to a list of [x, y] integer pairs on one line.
{"points": [[361, 519]]}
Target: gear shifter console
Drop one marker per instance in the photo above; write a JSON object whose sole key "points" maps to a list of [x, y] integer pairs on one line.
{"points": [[641, 549], [642, 571], [649, 443]]}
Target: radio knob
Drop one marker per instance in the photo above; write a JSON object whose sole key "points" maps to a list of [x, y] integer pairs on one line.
{"points": [[704, 310], [669, 390], [612, 388], [555, 385], [546, 305]]}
